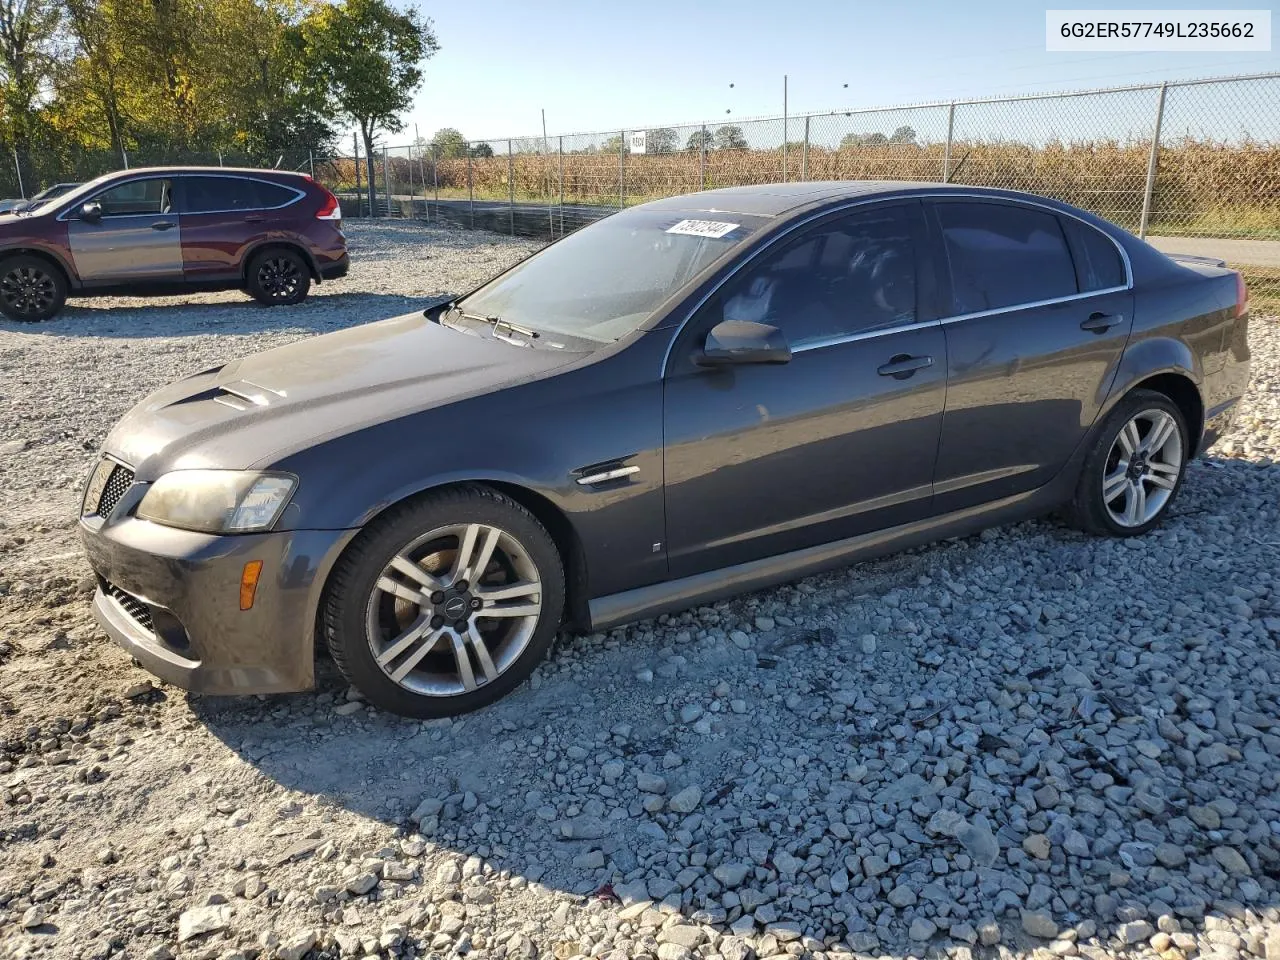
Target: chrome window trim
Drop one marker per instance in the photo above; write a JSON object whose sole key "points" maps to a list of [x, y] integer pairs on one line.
{"points": [[837, 339], [956, 318], [298, 195], [931, 195]]}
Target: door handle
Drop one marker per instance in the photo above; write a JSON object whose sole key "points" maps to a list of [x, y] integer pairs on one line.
{"points": [[163, 225], [1101, 322], [254, 218], [903, 365]]}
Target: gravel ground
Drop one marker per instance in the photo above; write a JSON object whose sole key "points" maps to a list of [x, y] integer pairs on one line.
{"points": [[1028, 742]]}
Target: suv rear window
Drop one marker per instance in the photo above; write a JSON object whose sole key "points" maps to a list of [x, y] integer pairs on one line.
{"points": [[221, 193], [1001, 255]]}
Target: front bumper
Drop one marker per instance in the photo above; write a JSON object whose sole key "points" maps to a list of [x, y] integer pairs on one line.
{"points": [[171, 598]]}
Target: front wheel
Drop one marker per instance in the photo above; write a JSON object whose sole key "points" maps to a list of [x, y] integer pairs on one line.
{"points": [[1135, 469], [446, 604], [31, 289], [278, 276]]}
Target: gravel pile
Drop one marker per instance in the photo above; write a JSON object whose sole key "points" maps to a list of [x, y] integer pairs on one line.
{"points": [[1025, 742]]}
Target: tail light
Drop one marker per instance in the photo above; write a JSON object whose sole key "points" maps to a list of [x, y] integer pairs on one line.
{"points": [[330, 209], [1242, 295]]}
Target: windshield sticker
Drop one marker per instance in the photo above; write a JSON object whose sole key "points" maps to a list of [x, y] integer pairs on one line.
{"points": [[704, 228]]}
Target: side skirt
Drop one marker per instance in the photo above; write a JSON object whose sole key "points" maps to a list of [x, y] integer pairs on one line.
{"points": [[700, 588]]}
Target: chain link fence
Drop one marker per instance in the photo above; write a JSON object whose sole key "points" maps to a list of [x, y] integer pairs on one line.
{"points": [[1193, 165]]}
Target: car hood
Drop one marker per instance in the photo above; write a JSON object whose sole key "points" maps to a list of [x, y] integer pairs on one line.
{"points": [[255, 410]]}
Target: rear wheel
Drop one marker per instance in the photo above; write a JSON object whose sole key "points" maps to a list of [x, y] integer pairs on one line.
{"points": [[278, 276], [31, 289], [446, 604], [1135, 469]]}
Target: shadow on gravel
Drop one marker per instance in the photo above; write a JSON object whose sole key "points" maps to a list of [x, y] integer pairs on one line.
{"points": [[320, 312], [1075, 737]]}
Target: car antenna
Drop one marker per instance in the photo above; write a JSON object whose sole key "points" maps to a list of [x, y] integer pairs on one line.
{"points": [[279, 160]]}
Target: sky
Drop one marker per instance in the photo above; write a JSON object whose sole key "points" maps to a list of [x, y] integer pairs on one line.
{"points": [[596, 66]]}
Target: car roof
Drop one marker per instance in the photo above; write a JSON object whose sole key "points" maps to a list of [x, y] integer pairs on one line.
{"points": [[778, 199], [257, 171]]}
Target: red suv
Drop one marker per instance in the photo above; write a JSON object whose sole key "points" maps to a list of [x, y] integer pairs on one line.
{"points": [[166, 230]]}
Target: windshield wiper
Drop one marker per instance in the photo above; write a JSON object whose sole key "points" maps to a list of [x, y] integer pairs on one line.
{"points": [[502, 329]]}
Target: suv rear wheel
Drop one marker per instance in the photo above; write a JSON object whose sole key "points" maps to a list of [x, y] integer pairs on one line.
{"points": [[278, 276], [31, 289]]}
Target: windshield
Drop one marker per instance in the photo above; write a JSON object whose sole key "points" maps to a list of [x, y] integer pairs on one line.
{"points": [[604, 281]]}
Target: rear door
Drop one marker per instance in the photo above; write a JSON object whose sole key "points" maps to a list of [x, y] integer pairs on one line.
{"points": [[223, 217], [138, 238], [1037, 311], [764, 459]]}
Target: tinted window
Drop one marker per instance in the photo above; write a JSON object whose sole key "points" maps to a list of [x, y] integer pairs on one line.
{"points": [[136, 197], [846, 276], [215, 194], [1001, 255], [1098, 263]]}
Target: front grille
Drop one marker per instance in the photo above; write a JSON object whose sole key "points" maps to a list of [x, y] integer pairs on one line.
{"points": [[134, 607], [121, 479]]}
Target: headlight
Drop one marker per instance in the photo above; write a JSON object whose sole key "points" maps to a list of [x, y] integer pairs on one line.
{"points": [[217, 501]]}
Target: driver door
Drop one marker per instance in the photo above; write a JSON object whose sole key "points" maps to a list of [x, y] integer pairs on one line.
{"points": [[762, 459], [137, 237]]}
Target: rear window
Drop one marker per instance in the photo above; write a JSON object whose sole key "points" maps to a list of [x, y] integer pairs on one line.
{"points": [[1098, 262], [1002, 255], [215, 194]]}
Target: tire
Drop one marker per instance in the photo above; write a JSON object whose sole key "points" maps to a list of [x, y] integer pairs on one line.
{"points": [[440, 653], [31, 289], [278, 276], [1106, 501]]}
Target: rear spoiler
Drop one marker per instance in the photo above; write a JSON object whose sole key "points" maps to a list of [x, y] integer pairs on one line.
{"points": [[1192, 258]]}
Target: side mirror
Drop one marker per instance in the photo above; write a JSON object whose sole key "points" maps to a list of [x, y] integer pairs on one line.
{"points": [[741, 341], [91, 211]]}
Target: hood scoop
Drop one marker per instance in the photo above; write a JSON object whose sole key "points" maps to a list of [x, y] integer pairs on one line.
{"points": [[238, 395]]}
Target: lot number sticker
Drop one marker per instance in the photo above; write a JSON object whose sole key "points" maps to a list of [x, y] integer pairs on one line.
{"points": [[703, 228]]}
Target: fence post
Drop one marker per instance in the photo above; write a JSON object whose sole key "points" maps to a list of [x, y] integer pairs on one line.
{"points": [[311, 164], [804, 153], [386, 178], [560, 177], [702, 159], [511, 189], [946, 152], [1151, 164], [124, 155], [471, 191], [435, 175], [22, 191], [422, 175], [355, 145], [622, 168]]}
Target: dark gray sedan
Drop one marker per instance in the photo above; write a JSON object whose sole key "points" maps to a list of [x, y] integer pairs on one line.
{"points": [[688, 399]]}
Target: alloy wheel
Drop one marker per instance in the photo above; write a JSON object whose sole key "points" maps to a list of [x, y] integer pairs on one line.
{"points": [[28, 290], [1142, 468], [454, 609], [279, 277]]}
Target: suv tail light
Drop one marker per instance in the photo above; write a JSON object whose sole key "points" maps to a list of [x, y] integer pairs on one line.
{"points": [[330, 209], [1242, 295]]}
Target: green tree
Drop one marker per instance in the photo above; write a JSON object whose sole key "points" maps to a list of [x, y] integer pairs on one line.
{"points": [[367, 56], [482, 150], [864, 140], [29, 53], [700, 140], [903, 134], [448, 144], [730, 137], [660, 140]]}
